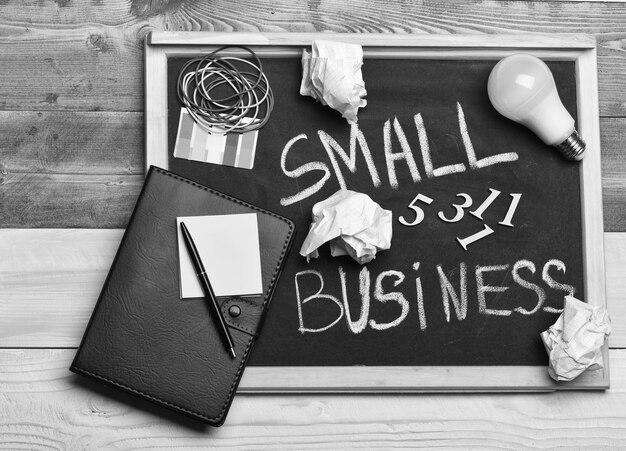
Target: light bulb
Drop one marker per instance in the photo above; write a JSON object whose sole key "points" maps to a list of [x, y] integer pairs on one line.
{"points": [[521, 87]]}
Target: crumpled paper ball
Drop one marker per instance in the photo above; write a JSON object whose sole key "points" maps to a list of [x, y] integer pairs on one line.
{"points": [[354, 225], [574, 342], [331, 74]]}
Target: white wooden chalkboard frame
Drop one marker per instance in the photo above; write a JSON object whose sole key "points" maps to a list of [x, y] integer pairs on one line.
{"points": [[578, 48]]}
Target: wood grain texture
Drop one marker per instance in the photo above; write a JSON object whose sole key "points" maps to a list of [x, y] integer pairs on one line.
{"points": [[612, 74], [84, 56], [613, 136], [47, 277], [45, 406], [400, 45], [615, 264], [79, 69], [50, 280], [71, 142], [88, 56], [43, 146], [54, 200], [427, 16], [60, 57]]}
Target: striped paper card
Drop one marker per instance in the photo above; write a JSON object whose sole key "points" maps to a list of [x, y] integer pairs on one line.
{"points": [[195, 143]]}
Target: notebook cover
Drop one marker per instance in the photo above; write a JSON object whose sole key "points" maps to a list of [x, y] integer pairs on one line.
{"points": [[142, 338]]}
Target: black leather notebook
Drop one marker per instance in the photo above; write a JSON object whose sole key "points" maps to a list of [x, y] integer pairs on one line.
{"points": [[143, 338]]}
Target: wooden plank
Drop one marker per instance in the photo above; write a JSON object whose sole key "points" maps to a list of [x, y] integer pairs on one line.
{"points": [[71, 142], [547, 41], [365, 16], [613, 136], [44, 405], [612, 74], [50, 282], [97, 66], [594, 270], [156, 112], [112, 143], [87, 68], [48, 291], [615, 264], [53, 200]]}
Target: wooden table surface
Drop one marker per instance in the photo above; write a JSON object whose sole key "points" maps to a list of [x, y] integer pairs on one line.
{"points": [[71, 166]]}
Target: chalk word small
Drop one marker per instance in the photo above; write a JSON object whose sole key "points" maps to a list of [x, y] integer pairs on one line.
{"points": [[393, 157]]}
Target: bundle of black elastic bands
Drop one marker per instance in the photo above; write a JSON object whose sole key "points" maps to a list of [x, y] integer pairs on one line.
{"points": [[223, 98]]}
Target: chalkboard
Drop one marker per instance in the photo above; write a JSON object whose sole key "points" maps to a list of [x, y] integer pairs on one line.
{"points": [[429, 301]]}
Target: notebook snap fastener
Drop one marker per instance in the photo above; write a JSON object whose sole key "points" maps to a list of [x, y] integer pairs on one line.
{"points": [[234, 311]]}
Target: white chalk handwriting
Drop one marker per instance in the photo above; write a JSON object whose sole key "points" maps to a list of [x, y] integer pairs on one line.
{"points": [[392, 158], [454, 297]]}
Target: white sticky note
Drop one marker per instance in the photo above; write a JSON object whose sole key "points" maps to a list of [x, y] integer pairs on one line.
{"points": [[229, 248]]}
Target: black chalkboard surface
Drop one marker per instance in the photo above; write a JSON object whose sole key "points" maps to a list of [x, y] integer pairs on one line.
{"points": [[426, 301]]}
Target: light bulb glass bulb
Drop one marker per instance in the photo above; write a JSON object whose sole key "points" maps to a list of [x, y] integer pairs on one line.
{"points": [[521, 87]]}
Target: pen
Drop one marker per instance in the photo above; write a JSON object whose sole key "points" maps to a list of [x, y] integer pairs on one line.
{"points": [[206, 284]]}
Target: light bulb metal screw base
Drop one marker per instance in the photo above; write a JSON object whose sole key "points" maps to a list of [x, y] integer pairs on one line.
{"points": [[572, 148]]}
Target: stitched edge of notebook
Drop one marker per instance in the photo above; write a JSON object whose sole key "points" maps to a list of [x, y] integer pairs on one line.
{"points": [[226, 196], [144, 394], [265, 300]]}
